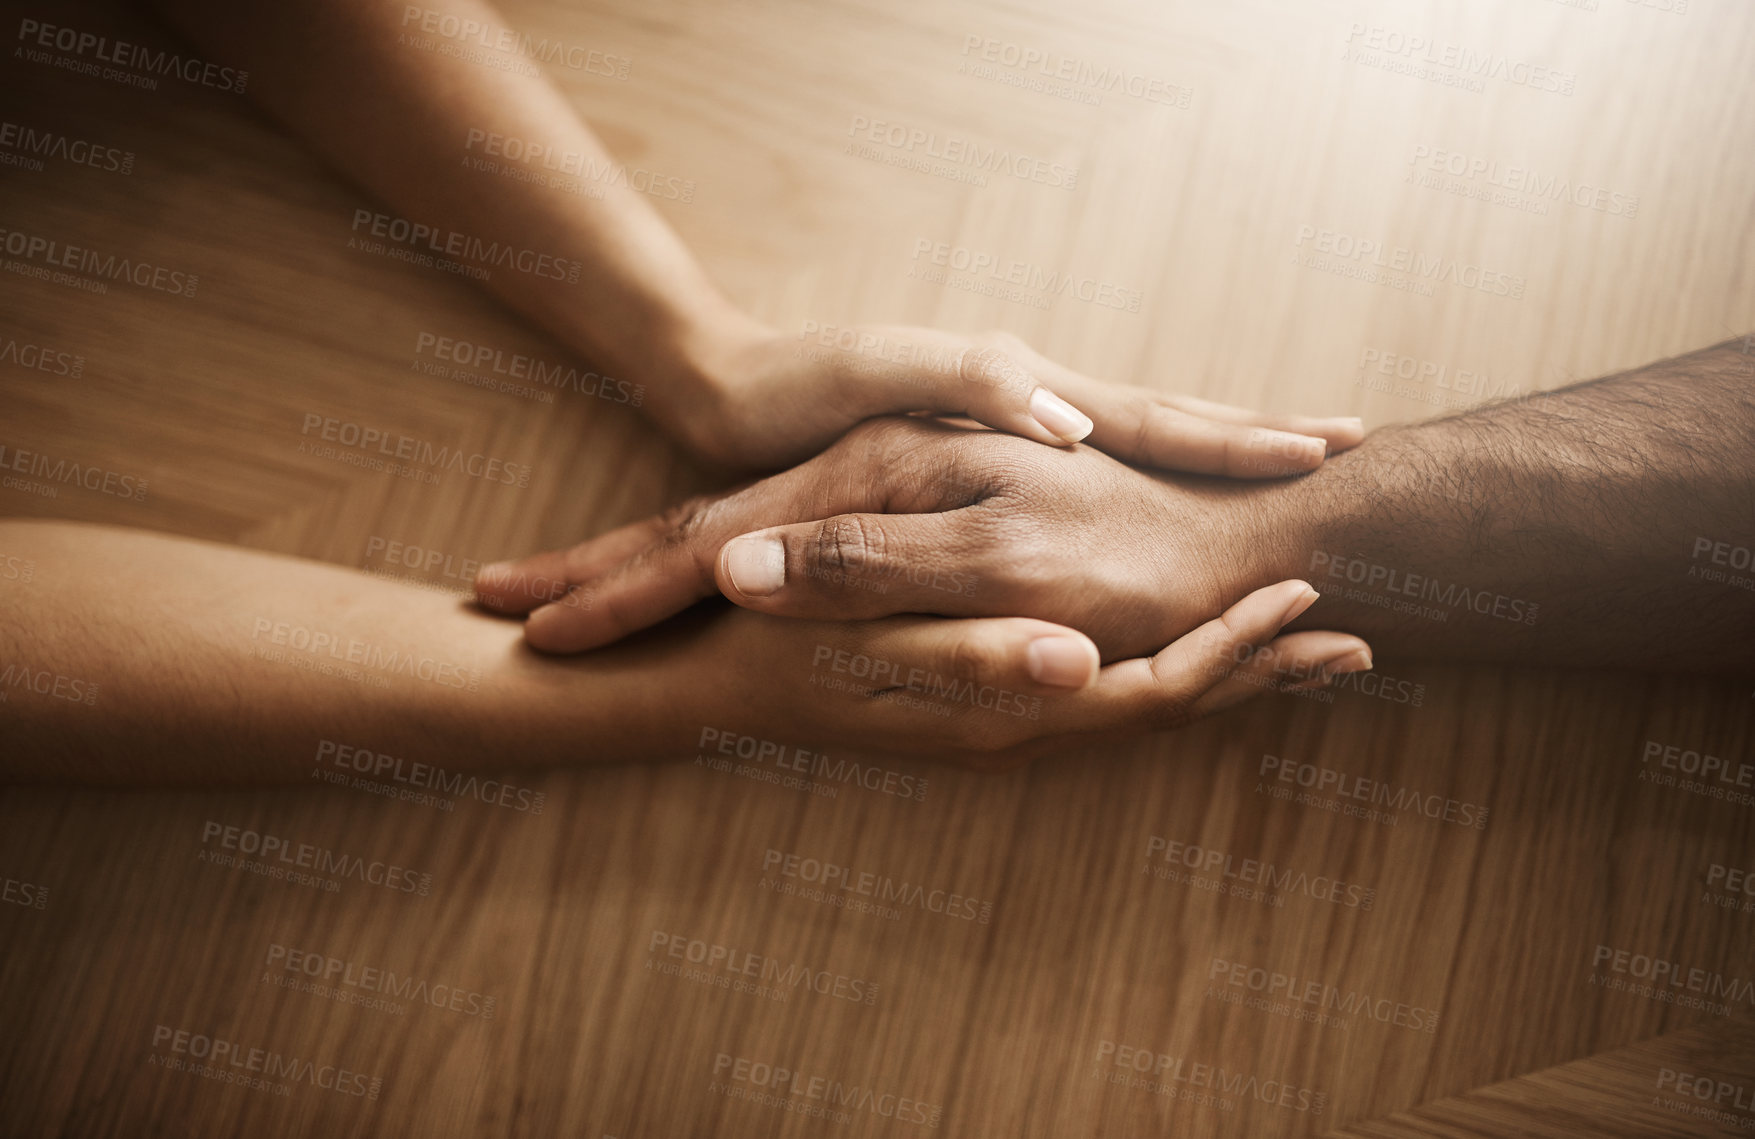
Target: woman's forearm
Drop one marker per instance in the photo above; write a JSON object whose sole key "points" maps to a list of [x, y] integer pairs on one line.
{"points": [[453, 144], [127, 656]]}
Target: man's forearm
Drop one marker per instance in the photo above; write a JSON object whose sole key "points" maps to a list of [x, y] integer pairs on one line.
{"points": [[1596, 525], [405, 124]]}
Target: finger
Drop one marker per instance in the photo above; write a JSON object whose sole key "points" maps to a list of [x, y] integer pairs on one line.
{"points": [[946, 374], [1295, 661], [1134, 426], [1128, 428], [972, 687], [668, 566], [951, 662], [675, 568], [856, 566], [663, 579], [522, 584], [1161, 691], [1341, 432]]}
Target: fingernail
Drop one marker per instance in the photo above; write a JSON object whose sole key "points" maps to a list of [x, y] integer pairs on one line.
{"points": [[537, 624], [1059, 417], [1306, 449], [756, 566], [1062, 662], [1298, 606], [1352, 421], [1359, 660], [493, 569]]}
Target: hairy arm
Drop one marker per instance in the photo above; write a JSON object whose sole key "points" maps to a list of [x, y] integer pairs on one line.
{"points": [[1597, 524], [1609, 523]]}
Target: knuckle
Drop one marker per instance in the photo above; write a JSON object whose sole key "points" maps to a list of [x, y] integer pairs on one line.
{"points": [[976, 659], [847, 544], [991, 367], [687, 528], [882, 436], [684, 522], [1155, 425]]}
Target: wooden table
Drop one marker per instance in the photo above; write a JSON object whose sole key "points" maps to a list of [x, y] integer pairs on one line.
{"points": [[647, 955]]}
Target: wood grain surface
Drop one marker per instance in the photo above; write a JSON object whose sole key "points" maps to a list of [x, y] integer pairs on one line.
{"points": [[1433, 977]]}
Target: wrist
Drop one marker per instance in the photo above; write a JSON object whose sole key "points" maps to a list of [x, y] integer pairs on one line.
{"points": [[698, 354], [698, 371], [1329, 526], [1273, 531]]}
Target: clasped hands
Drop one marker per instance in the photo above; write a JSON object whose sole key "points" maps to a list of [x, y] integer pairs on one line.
{"points": [[974, 591]]}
